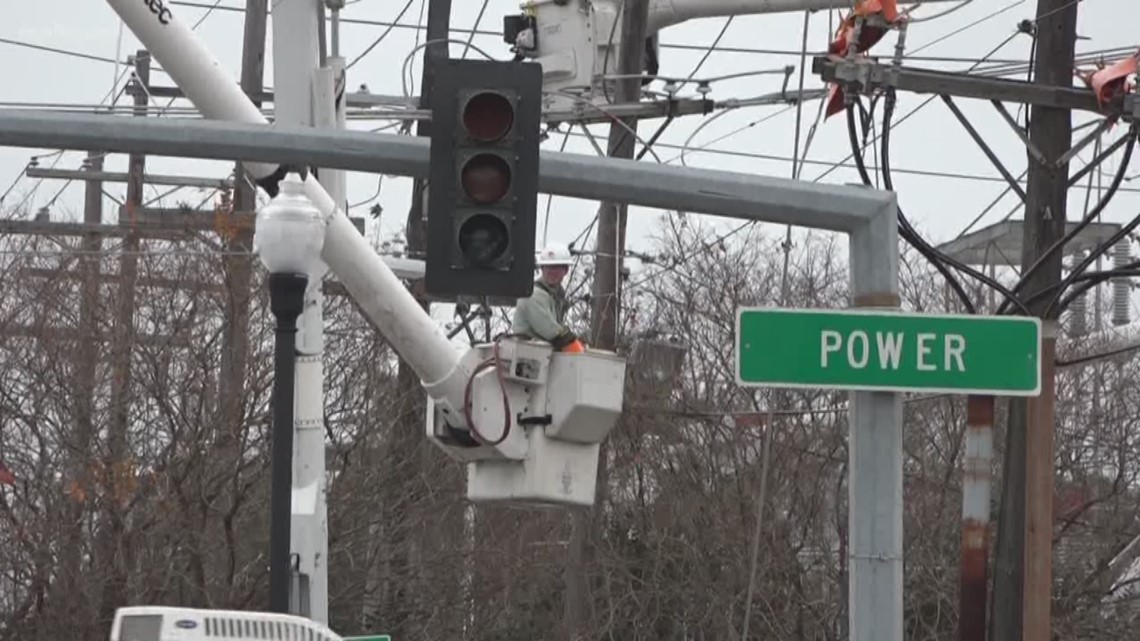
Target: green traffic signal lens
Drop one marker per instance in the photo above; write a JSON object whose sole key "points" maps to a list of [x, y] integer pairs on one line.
{"points": [[486, 178], [488, 116], [483, 239]]}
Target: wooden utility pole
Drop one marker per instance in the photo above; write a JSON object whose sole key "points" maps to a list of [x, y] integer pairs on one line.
{"points": [[606, 300], [1028, 509], [438, 28], [1051, 130], [405, 442], [117, 463], [83, 389], [239, 267]]}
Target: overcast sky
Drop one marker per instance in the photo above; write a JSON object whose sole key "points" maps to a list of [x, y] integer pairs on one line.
{"points": [[931, 141]]}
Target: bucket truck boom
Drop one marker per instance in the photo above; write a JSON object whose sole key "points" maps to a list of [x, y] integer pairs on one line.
{"points": [[528, 422], [577, 41]]}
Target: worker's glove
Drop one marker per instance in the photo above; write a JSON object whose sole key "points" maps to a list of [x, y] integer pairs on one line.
{"points": [[577, 347], [563, 340]]}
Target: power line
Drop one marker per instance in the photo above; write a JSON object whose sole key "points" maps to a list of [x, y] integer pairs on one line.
{"points": [[383, 35], [664, 45], [65, 52], [969, 26], [752, 155], [912, 112]]}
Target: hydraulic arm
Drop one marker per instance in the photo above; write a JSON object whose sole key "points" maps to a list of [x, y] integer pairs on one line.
{"points": [[528, 422]]}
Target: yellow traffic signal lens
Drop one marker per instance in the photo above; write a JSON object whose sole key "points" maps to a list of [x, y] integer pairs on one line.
{"points": [[486, 178]]}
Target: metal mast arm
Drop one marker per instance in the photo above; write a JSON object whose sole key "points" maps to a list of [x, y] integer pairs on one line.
{"points": [[381, 295]]}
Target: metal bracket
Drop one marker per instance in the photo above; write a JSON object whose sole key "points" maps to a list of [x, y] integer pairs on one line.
{"points": [[1131, 112], [1076, 149], [1095, 162], [1013, 184], [1009, 119], [857, 76], [961, 85]]}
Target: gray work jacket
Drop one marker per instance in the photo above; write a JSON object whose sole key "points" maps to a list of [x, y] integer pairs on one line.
{"points": [[541, 316]]}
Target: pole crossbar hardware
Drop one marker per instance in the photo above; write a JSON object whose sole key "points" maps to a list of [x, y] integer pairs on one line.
{"points": [[864, 76], [586, 112], [1021, 133], [1132, 107], [122, 177], [1013, 184]]}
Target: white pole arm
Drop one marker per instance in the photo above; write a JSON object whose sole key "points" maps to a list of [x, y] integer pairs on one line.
{"points": [[665, 13], [381, 295]]}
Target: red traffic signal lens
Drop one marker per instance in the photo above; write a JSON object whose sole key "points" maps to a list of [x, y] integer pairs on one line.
{"points": [[483, 239], [486, 178], [488, 116]]}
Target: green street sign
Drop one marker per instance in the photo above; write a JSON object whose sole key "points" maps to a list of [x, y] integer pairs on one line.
{"points": [[888, 351]]}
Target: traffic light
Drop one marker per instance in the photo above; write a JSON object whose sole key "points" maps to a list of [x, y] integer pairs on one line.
{"points": [[483, 183]]}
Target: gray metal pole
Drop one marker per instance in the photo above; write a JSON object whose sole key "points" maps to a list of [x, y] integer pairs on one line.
{"points": [[296, 56], [875, 451], [707, 191]]}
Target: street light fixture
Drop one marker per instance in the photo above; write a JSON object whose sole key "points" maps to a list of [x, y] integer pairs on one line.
{"points": [[288, 238]]}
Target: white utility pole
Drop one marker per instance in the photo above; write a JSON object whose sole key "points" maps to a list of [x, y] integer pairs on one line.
{"points": [[304, 94]]}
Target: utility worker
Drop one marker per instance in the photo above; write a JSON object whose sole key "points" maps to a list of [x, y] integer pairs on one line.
{"points": [[541, 316]]}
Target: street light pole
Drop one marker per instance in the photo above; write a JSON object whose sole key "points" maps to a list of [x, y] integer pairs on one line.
{"points": [[287, 300], [288, 238]]}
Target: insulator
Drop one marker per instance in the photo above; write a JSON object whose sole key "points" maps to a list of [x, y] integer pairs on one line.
{"points": [[1122, 286]]}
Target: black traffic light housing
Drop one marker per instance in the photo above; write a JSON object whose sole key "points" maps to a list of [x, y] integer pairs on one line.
{"points": [[483, 183]]}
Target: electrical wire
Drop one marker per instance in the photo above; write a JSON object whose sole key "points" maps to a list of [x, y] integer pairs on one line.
{"points": [[936, 257], [1099, 356], [609, 114], [1058, 303], [912, 112], [856, 153], [711, 48], [609, 47], [935, 16], [905, 230], [493, 361], [65, 52], [1087, 280], [687, 146], [471, 36], [380, 38], [664, 45], [970, 26], [1085, 222], [404, 68], [704, 148], [411, 79], [203, 17]]}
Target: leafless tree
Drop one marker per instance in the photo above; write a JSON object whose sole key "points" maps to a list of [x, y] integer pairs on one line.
{"points": [[410, 556]]}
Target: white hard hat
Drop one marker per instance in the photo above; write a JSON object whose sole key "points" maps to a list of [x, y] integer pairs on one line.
{"points": [[554, 255]]}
